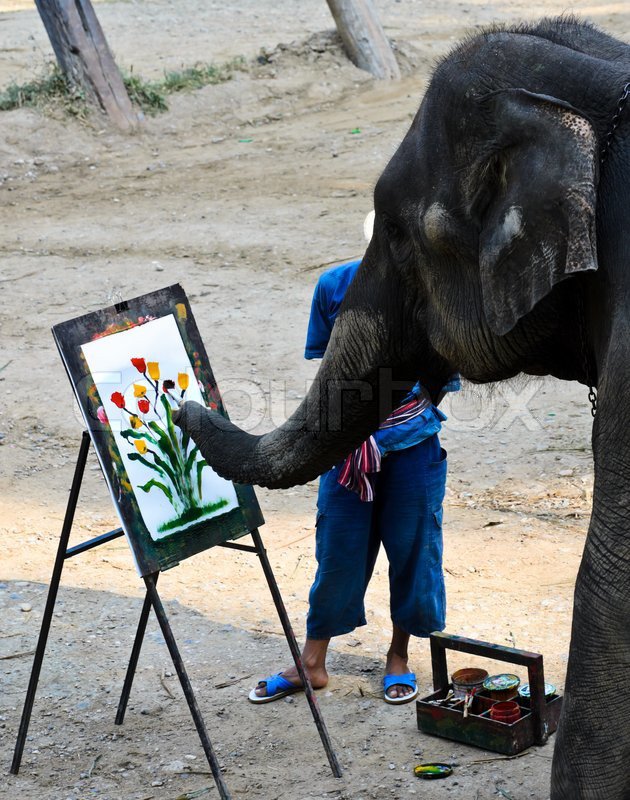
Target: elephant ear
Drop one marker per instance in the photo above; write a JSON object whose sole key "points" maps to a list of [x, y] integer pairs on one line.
{"points": [[539, 227]]}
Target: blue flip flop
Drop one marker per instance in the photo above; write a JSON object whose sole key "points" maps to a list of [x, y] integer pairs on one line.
{"points": [[408, 679], [277, 687]]}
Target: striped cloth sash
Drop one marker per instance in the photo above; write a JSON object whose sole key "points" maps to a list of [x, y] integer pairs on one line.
{"points": [[358, 471]]}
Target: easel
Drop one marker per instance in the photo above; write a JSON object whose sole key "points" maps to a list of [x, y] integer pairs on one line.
{"points": [[152, 600]]}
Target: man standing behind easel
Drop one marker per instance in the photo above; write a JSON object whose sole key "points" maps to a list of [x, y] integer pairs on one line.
{"points": [[389, 491]]}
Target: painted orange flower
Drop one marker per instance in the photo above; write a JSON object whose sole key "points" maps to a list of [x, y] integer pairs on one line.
{"points": [[141, 446], [118, 399], [182, 380], [138, 391], [153, 368], [135, 421], [139, 364], [144, 406]]}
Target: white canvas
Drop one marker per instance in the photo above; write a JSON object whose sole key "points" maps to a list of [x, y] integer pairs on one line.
{"points": [[109, 361]]}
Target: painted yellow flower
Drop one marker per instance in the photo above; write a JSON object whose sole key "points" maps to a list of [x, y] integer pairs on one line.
{"points": [[134, 421], [141, 446], [182, 380], [139, 390], [153, 368]]}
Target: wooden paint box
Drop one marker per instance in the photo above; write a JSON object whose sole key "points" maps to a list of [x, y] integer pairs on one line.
{"points": [[539, 714]]}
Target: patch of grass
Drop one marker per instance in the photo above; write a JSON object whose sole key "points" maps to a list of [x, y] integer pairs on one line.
{"points": [[196, 77], [150, 96], [53, 90], [147, 95]]}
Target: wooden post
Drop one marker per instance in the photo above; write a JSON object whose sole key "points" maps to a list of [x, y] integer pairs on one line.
{"points": [[363, 37], [85, 58]]}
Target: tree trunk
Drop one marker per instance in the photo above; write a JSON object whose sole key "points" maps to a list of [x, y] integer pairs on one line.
{"points": [[363, 37], [85, 58]]}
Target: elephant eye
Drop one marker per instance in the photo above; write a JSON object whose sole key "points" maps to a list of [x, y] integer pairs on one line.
{"points": [[399, 241]]}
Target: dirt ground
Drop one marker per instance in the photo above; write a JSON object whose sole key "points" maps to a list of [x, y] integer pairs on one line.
{"points": [[243, 192]]}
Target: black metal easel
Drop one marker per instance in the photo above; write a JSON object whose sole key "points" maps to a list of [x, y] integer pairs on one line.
{"points": [[152, 600]]}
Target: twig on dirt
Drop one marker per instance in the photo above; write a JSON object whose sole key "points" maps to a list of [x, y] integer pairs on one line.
{"points": [[165, 685], [26, 275], [454, 574], [6, 365], [297, 563], [264, 630], [540, 755], [17, 655], [499, 758], [10, 635], [194, 772], [232, 681], [295, 541], [94, 763]]}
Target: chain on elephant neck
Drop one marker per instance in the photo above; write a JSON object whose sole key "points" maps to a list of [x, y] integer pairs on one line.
{"points": [[586, 362], [603, 154]]}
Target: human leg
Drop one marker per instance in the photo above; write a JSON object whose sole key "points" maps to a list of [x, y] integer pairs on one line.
{"points": [[409, 516], [345, 562]]}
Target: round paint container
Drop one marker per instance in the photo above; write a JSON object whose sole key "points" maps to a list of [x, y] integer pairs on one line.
{"points": [[503, 686], [467, 679], [524, 690], [507, 711]]}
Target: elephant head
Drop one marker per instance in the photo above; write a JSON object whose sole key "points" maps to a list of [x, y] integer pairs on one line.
{"points": [[482, 215], [500, 246]]}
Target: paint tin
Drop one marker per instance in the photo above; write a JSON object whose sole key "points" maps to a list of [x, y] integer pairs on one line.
{"points": [[467, 679], [506, 711], [503, 686], [524, 690]]}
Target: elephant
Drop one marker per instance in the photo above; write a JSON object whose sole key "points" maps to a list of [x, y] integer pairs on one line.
{"points": [[500, 247]]}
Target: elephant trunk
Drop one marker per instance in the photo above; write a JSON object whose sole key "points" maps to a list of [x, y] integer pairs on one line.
{"points": [[351, 394]]}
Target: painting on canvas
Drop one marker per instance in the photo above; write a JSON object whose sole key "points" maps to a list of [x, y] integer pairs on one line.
{"points": [[130, 366]]}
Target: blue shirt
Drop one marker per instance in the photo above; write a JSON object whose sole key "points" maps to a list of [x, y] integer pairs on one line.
{"points": [[327, 298]]}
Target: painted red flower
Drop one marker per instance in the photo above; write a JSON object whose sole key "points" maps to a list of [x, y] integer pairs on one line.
{"points": [[118, 400], [144, 406], [139, 364]]}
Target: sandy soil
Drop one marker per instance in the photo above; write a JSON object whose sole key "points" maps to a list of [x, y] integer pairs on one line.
{"points": [[242, 192]]}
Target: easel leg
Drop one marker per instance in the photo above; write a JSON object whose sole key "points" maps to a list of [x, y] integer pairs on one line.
{"points": [[154, 597], [295, 652], [50, 602], [133, 659]]}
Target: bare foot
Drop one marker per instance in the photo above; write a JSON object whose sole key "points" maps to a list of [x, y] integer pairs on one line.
{"points": [[317, 675], [397, 665], [397, 662], [314, 660]]}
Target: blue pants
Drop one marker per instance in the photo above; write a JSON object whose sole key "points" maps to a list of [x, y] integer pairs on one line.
{"points": [[406, 516]]}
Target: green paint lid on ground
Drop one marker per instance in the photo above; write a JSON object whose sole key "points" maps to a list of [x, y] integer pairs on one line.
{"points": [[433, 771]]}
